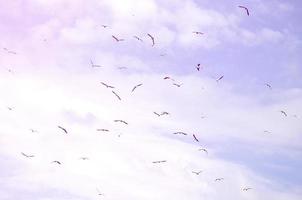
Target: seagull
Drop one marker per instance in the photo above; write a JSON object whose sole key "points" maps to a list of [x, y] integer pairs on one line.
{"points": [[94, 65], [267, 131], [101, 129], [33, 131], [104, 26], [99, 193], [9, 51], [246, 9], [156, 114], [198, 32], [122, 121], [164, 113], [203, 150], [116, 95], [198, 67], [195, 138], [57, 162], [178, 85], [197, 173], [167, 77], [27, 156], [84, 158], [60, 127], [106, 85], [180, 133], [122, 68], [246, 189], [268, 85], [136, 87], [117, 39], [139, 39], [284, 113], [221, 77], [219, 179], [10, 108], [152, 38], [159, 161]]}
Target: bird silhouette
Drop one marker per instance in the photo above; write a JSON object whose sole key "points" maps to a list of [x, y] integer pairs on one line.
{"points": [[116, 95], [198, 32], [246, 9], [203, 150], [177, 85], [139, 39], [221, 77], [57, 162], [219, 179], [159, 161], [284, 113], [247, 188], [27, 155], [117, 39], [136, 87], [106, 85], [195, 138], [101, 129], [60, 127], [180, 133], [152, 38], [84, 158], [268, 85], [121, 121], [197, 173], [94, 65]]}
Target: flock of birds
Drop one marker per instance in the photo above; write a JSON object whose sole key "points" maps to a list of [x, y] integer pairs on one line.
{"points": [[158, 114]]}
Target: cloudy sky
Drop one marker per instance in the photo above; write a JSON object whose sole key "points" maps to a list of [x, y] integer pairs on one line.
{"points": [[47, 80]]}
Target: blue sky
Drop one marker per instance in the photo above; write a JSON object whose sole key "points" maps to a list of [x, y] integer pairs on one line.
{"points": [[47, 79]]}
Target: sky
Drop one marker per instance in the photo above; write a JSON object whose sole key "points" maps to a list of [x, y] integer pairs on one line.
{"points": [[47, 80]]}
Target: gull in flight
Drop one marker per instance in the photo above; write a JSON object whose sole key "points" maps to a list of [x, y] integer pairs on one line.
{"points": [[152, 38], [198, 67], [284, 113], [33, 131], [139, 39], [180, 133], [117, 39], [177, 85], [159, 161], [121, 121], [84, 158], [268, 85], [57, 162], [247, 188], [27, 155], [162, 113], [63, 129], [198, 32], [197, 173], [195, 138], [136, 87], [106, 85], [94, 65], [116, 95], [203, 150], [221, 77], [219, 179], [246, 9], [167, 77], [102, 129], [9, 51]]}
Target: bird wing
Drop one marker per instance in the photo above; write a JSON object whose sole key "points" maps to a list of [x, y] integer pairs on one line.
{"points": [[115, 38], [60, 127], [152, 38], [116, 95], [195, 138]]}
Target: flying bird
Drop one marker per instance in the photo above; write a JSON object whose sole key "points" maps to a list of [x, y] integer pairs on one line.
{"points": [[267, 131], [33, 131], [152, 38], [246, 189], [177, 85], [122, 68], [60, 127], [57, 162], [27, 155], [268, 85], [156, 114], [117, 39], [180, 133], [195, 138], [106, 85], [116, 95], [164, 113], [102, 129], [99, 193], [84, 158], [94, 65], [203, 150], [246, 9], [122, 121], [198, 32], [9, 51], [167, 77], [104, 26], [197, 173], [10, 108], [139, 39], [219, 179], [136, 87], [221, 77], [159, 161], [284, 113], [198, 67]]}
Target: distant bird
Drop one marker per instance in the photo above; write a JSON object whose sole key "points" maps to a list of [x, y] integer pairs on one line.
{"points": [[198, 67], [136, 87], [104, 26], [197, 173], [106, 85], [99, 193], [246, 9], [60, 127], [33, 131], [164, 113], [10, 108], [101, 129], [246, 189], [117, 39], [94, 65], [203, 150], [267, 131], [122, 68], [122, 121], [219, 179], [195, 138], [284, 113], [198, 32], [10, 71], [177, 85], [9, 51], [57, 162], [268, 85], [116, 95], [167, 77], [152, 38], [156, 114], [163, 54], [84, 158], [159, 161], [221, 77], [27, 155], [139, 39], [180, 133]]}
